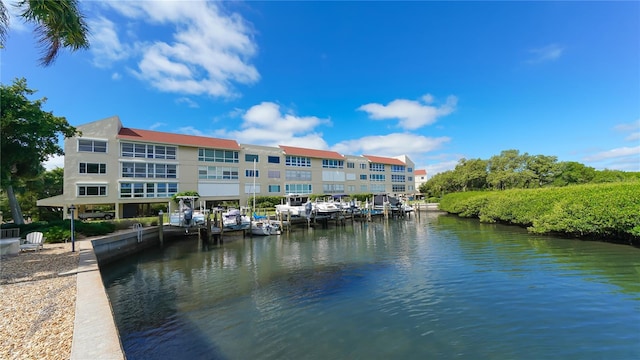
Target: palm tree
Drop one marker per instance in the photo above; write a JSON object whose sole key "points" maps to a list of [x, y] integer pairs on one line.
{"points": [[59, 24]]}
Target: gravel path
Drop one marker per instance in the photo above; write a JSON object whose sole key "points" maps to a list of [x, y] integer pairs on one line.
{"points": [[37, 305]]}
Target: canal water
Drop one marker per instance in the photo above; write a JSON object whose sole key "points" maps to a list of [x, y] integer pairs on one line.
{"points": [[436, 287]]}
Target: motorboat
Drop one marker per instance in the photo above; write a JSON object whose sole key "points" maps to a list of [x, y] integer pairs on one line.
{"points": [[295, 205], [233, 219], [187, 215], [321, 207], [264, 228]]}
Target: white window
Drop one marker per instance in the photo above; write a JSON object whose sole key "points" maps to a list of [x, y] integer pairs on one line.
{"points": [[378, 188], [217, 155], [333, 175], [92, 168], [298, 161], [92, 190], [147, 151], [273, 174], [148, 190], [217, 173], [376, 167], [249, 189], [332, 164], [98, 146], [332, 188], [297, 188], [396, 188], [298, 175], [397, 178]]}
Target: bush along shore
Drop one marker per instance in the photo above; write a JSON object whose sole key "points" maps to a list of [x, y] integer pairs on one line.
{"points": [[606, 212]]}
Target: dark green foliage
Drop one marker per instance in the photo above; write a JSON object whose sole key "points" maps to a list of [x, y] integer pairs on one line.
{"points": [[95, 228], [265, 202], [512, 170], [609, 211], [30, 136], [57, 235], [59, 230]]}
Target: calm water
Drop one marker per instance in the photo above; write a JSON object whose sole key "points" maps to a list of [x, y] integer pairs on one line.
{"points": [[436, 287]]}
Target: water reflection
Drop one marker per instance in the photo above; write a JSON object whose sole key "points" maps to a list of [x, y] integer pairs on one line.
{"points": [[437, 286]]}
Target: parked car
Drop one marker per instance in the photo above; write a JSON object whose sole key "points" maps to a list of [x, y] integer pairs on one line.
{"points": [[96, 214]]}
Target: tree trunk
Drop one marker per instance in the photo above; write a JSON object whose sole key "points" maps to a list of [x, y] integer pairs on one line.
{"points": [[16, 211]]}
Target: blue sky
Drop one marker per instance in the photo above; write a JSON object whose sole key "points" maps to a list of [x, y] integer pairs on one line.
{"points": [[438, 81]]}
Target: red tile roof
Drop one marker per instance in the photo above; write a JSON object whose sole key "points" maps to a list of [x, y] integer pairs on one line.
{"points": [[420, 172], [177, 139], [383, 160], [312, 153]]}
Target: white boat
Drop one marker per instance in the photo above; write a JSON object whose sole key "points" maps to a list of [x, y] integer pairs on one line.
{"points": [[295, 205], [407, 208], [325, 207], [264, 228], [233, 219], [186, 215]]}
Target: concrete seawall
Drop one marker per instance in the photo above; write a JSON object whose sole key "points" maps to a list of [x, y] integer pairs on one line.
{"points": [[426, 206], [122, 244], [95, 334]]}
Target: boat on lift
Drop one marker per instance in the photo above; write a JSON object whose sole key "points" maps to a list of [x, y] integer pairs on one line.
{"points": [[295, 205]]}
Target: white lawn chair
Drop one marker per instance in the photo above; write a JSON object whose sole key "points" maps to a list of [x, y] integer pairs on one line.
{"points": [[33, 241]]}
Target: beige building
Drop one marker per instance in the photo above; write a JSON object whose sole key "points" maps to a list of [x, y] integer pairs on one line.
{"points": [[130, 170], [421, 177]]}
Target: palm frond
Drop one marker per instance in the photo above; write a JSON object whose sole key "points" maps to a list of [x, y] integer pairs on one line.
{"points": [[58, 24], [4, 24]]}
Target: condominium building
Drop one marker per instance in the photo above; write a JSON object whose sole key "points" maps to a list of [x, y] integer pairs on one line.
{"points": [[421, 177], [130, 170]]}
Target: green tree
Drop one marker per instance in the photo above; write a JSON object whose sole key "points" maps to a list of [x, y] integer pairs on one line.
{"points": [[543, 169], [58, 24], [508, 170], [571, 172], [29, 137], [472, 174]]}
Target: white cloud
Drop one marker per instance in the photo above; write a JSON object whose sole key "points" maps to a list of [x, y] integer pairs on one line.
{"points": [[55, 161], [190, 130], [546, 53], [623, 158], [412, 145], [105, 43], [208, 52], [633, 136], [615, 153], [157, 125], [190, 103], [116, 76], [410, 113], [440, 167], [266, 124], [16, 22], [631, 129], [626, 158]]}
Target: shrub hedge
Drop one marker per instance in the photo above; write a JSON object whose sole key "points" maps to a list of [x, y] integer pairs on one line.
{"points": [[604, 211], [60, 230]]}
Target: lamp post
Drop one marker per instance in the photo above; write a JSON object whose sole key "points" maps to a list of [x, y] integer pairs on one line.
{"points": [[73, 234]]}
